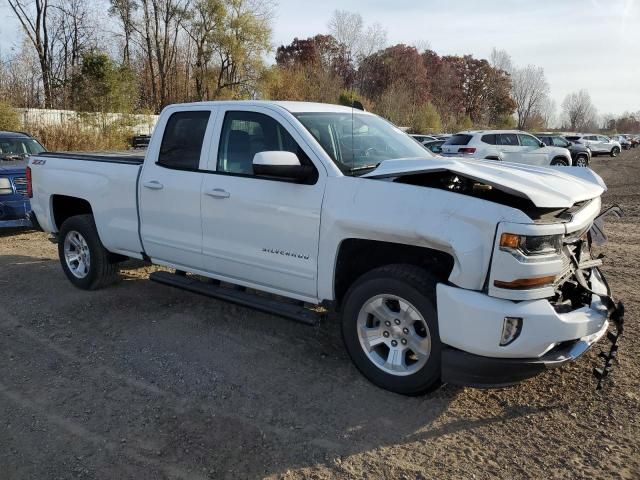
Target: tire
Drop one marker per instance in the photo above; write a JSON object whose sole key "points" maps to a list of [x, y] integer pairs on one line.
{"points": [[615, 151], [95, 268], [560, 162], [582, 161], [403, 298]]}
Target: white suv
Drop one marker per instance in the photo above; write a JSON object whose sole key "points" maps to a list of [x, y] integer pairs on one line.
{"points": [[598, 144], [505, 145]]}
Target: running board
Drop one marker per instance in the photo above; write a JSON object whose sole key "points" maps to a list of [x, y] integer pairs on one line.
{"points": [[241, 297]]}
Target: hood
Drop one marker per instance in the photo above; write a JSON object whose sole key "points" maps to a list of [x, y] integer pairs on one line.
{"points": [[545, 187], [13, 166]]}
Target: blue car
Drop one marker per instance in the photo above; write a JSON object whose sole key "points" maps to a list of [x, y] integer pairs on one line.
{"points": [[15, 149]]}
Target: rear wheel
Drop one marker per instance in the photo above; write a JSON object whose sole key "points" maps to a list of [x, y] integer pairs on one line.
{"points": [[582, 161], [615, 151], [390, 329], [85, 261], [560, 162]]}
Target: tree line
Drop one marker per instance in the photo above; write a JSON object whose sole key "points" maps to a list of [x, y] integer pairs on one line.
{"points": [[157, 52]]}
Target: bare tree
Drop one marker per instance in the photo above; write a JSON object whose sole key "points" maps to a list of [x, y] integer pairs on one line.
{"points": [[501, 60], [204, 28], [529, 89], [125, 10], [33, 17], [578, 110], [548, 112], [348, 28], [162, 20]]}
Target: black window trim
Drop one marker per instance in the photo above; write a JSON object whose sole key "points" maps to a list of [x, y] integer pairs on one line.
{"points": [[204, 139]]}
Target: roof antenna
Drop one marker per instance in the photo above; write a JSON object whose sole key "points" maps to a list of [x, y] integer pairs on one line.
{"points": [[358, 105]]}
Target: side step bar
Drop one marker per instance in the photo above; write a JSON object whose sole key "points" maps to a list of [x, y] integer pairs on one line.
{"points": [[241, 297]]}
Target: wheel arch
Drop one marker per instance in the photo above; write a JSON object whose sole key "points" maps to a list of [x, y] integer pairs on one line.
{"points": [[64, 207], [357, 256]]}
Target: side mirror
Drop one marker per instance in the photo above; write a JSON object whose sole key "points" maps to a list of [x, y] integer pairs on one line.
{"points": [[280, 164], [542, 144]]}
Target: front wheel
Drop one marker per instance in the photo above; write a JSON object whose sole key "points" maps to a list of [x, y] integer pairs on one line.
{"points": [[85, 261], [390, 329], [560, 162], [615, 151]]}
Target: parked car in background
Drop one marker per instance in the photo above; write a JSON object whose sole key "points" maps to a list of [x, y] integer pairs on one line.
{"points": [[598, 144], [580, 154], [140, 141], [625, 142], [15, 148], [423, 138], [505, 145], [434, 145]]}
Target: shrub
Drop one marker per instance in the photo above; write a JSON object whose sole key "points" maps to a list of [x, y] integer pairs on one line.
{"points": [[9, 119]]}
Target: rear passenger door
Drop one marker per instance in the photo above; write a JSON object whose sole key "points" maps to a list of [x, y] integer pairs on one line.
{"points": [[258, 231], [532, 153], [169, 189]]}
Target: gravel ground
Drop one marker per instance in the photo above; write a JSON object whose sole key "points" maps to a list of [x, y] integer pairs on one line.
{"points": [[144, 381]]}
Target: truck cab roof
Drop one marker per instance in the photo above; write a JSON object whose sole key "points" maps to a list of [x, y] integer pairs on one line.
{"points": [[293, 107]]}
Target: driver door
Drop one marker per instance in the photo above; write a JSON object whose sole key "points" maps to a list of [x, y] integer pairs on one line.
{"points": [[258, 231]]}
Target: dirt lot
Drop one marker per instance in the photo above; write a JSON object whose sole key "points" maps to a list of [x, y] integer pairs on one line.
{"points": [[144, 381]]}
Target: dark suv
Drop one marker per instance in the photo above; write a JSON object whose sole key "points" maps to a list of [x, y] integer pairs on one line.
{"points": [[580, 154], [15, 149]]}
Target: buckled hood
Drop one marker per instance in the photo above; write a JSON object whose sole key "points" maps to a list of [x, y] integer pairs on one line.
{"points": [[546, 187]]}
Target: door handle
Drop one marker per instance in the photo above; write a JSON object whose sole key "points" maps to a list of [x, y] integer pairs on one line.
{"points": [[153, 185], [218, 193]]}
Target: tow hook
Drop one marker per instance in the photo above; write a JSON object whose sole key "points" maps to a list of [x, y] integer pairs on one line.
{"points": [[617, 317]]}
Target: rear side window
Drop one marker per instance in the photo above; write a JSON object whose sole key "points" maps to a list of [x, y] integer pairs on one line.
{"points": [[489, 138], [572, 138], [508, 139], [182, 140], [459, 139]]}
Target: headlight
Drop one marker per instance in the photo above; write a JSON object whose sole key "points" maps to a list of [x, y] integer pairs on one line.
{"points": [[531, 245], [5, 186]]}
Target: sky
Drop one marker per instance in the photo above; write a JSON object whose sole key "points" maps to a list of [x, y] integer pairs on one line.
{"points": [[590, 44]]}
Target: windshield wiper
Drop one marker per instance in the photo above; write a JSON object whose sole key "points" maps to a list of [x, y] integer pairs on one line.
{"points": [[364, 167]]}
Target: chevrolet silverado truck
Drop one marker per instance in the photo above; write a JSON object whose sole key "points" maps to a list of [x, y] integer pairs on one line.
{"points": [[471, 272]]}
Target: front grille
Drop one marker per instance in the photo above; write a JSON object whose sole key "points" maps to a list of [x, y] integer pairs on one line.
{"points": [[20, 184]]}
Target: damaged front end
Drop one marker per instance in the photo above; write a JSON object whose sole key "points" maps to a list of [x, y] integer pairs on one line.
{"points": [[575, 287]]}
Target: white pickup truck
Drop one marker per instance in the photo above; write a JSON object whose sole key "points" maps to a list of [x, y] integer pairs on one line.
{"points": [[443, 270]]}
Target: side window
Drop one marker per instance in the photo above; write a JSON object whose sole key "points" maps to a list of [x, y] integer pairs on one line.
{"points": [[558, 142], [182, 140], [489, 138], [529, 141], [246, 133], [508, 139], [603, 139]]}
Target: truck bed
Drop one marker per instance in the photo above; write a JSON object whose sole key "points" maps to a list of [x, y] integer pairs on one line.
{"points": [[127, 157]]}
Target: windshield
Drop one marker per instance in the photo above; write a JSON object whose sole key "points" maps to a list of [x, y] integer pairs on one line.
{"points": [[359, 142], [19, 147]]}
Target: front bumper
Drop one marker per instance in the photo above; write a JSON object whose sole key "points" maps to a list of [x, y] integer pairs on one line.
{"points": [[470, 325], [14, 214], [463, 368]]}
